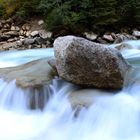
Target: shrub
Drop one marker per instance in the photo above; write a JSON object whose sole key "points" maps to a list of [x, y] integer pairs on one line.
{"points": [[8, 7]]}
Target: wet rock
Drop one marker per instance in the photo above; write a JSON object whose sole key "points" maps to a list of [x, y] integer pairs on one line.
{"points": [[123, 37], [89, 64], [86, 97], [33, 74], [52, 63]]}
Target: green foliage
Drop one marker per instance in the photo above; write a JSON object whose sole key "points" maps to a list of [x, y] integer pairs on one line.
{"points": [[28, 8], [77, 15], [8, 7]]}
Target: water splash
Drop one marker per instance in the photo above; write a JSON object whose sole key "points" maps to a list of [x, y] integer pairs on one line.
{"points": [[47, 113], [114, 117]]}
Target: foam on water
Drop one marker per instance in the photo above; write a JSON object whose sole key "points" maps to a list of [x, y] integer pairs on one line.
{"points": [[114, 117]]}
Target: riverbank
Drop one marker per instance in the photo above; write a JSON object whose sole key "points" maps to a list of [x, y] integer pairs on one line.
{"points": [[33, 35]]}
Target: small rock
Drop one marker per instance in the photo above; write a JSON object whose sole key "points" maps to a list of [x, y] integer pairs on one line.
{"points": [[15, 28], [40, 22], [11, 40], [44, 34], [26, 27], [113, 35], [108, 38], [7, 26], [19, 43], [24, 33], [90, 36], [28, 41], [1, 25], [40, 40], [6, 46], [136, 33], [28, 33], [12, 33], [100, 40], [123, 37], [10, 21], [43, 46], [11, 49], [21, 32], [3, 21], [38, 46], [4, 37], [34, 33], [30, 47], [21, 37]]}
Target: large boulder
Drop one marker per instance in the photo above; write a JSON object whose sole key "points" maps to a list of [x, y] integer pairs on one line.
{"points": [[89, 64]]}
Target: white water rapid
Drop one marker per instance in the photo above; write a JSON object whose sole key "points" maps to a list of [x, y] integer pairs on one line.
{"points": [[110, 117]]}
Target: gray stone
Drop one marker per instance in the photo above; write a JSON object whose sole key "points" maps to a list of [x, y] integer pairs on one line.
{"points": [[19, 43], [136, 33], [28, 41], [4, 37], [1, 25], [15, 28], [6, 46], [108, 38], [40, 22], [44, 34], [123, 37], [86, 97], [89, 64], [26, 27], [34, 33], [33, 74], [40, 40], [100, 40], [12, 33], [90, 35]]}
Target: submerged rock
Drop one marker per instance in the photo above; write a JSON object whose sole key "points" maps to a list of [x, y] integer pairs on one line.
{"points": [[32, 74], [89, 64]]}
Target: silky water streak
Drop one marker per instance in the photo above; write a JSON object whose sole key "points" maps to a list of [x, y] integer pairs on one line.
{"points": [[109, 117]]}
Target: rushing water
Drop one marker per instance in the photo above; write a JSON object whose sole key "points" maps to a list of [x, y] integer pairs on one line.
{"points": [[110, 117]]}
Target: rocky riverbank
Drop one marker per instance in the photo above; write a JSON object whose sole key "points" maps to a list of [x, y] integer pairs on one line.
{"points": [[32, 34]]}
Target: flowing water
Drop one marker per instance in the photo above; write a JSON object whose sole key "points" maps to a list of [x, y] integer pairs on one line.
{"points": [[110, 117]]}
